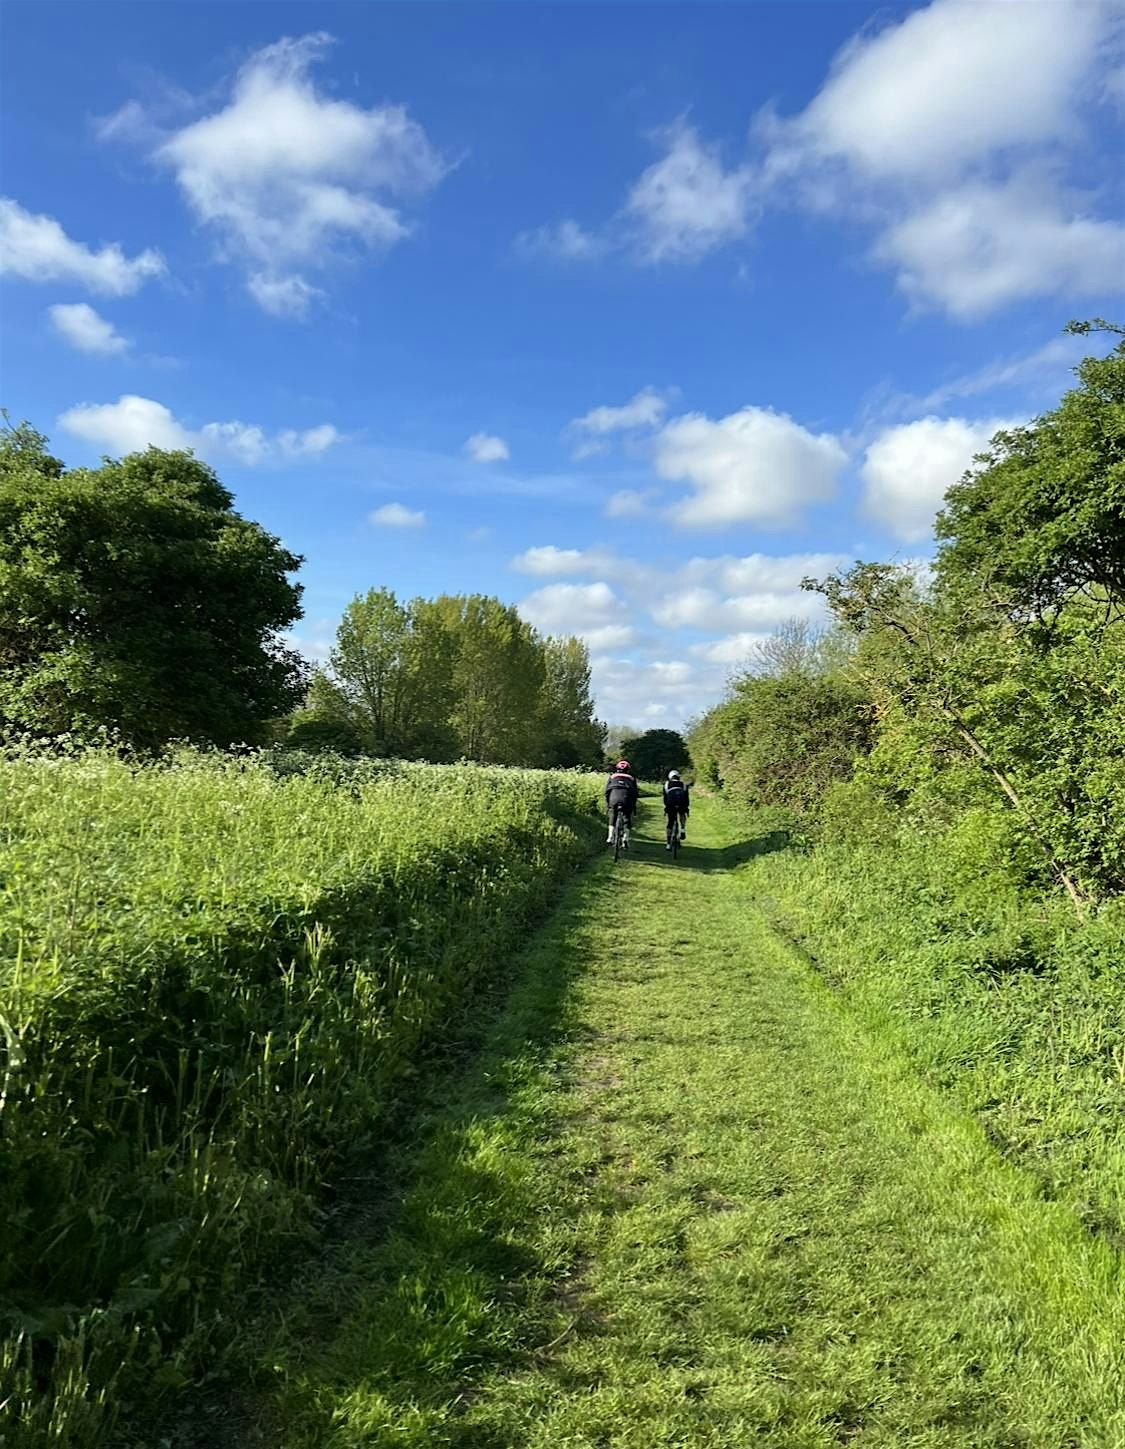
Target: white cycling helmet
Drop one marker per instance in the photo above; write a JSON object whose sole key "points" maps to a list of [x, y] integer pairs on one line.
{"points": [[673, 774]]}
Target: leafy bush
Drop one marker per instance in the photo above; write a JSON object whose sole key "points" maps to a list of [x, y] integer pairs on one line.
{"points": [[216, 973]]}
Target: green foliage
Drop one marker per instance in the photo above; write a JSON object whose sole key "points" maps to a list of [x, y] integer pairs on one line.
{"points": [[654, 753], [1042, 517], [134, 599], [1001, 997], [458, 677], [782, 742], [215, 975]]}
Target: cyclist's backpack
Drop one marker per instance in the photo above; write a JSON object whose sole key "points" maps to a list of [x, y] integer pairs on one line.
{"points": [[676, 797]]}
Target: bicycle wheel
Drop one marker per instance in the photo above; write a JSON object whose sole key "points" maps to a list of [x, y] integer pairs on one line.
{"points": [[675, 836], [618, 832]]}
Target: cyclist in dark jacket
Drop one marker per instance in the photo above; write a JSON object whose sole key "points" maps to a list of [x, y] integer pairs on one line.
{"points": [[677, 806], [620, 790]]}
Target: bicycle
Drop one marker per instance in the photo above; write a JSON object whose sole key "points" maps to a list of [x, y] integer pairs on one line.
{"points": [[672, 831], [620, 831]]}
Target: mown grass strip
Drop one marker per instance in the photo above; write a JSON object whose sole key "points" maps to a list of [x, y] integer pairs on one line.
{"points": [[687, 1199]]}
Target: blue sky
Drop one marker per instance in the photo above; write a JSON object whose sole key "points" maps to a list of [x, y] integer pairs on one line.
{"points": [[632, 314]]}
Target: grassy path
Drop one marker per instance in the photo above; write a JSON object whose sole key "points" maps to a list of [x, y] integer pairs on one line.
{"points": [[685, 1199]]}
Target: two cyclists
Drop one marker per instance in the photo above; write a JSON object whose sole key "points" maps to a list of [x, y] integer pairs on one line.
{"points": [[621, 793]]}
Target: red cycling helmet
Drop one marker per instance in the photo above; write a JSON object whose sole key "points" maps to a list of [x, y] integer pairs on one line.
{"points": [[623, 765]]}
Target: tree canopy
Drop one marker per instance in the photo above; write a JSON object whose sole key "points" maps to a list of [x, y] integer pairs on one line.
{"points": [[457, 677], [655, 752], [134, 598]]}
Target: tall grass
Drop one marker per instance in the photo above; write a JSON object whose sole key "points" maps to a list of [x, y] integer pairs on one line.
{"points": [[215, 975], [999, 994]]}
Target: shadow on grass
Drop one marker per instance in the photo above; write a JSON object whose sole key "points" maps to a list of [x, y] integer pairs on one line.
{"points": [[648, 849]]}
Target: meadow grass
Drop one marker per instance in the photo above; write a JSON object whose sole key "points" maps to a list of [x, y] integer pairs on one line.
{"points": [[216, 980], [999, 995], [688, 1199]]}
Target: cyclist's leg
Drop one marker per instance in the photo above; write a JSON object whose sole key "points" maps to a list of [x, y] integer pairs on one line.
{"points": [[612, 812], [683, 824]]}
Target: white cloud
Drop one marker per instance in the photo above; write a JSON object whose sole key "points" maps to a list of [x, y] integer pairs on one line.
{"points": [[309, 443], [37, 249], [730, 650], [705, 609], [635, 691], [548, 561], [286, 174], [134, 423], [754, 464], [956, 156], [485, 448], [982, 245], [687, 203], [643, 410], [127, 426], [629, 503], [289, 296], [580, 609], [610, 636], [759, 572], [907, 470], [396, 515], [244, 441], [953, 82], [565, 241], [84, 329]]}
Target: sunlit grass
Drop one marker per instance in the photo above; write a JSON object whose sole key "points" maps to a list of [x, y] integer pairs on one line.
{"points": [[213, 979]]}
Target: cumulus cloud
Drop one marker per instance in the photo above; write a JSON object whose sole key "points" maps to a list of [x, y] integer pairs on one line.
{"points": [[35, 248], [709, 611], [979, 246], [753, 465], [644, 410], [582, 609], [486, 448], [134, 423], [84, 329], [907, 470], [396, 515], [547, 561], [648, 630], [688, 203], [733, 649], [286, 175], [958, 157], [925, 96]]}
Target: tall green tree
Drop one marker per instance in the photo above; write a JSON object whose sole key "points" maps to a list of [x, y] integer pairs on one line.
{"points": [[570, 735], [134, 597], [498, 679]]}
